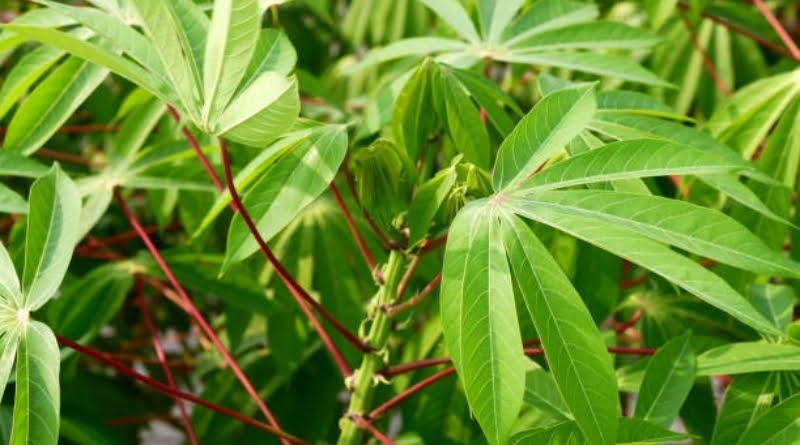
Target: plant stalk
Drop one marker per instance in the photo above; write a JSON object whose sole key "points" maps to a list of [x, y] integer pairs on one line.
{"points": [[364, 378]]}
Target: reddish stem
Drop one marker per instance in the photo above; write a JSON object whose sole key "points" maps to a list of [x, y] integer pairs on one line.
{"points": [[162, 358], [366, 426], [719, 82], [387, 244], [396, 400], [622, 327], [196, 147], [64, 157], [433, 244], [351, 224], [299, 294], [160, 387], [193, 311], [416, 299], [778, 28], [406, 279]]}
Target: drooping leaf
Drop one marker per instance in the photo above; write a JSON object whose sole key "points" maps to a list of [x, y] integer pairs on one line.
{"points": [[739, 358], [572, 343], [552, 123], [777, 426], [232, 39], [463, 121], [630, 159], [53, 219], [51, 104], [287, 187], [669, 378], [413, 120], [691, 227], [37, 397], [479, 320], [491, 98], [655, 257]]}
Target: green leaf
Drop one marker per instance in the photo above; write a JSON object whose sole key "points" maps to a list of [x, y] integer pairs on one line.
{"points": [[745, 400], [630, 159], [426, 203], [274, 52], [463, 121], [252, 172], [601, 64], [8, 351], [653, 256], [98, 55], [412, 115], [740, 358], [495, 15], [547, 128], [36, 404], [697, 229], [454, 15], [88, 304], [133, 133], [9, 283], [667, 381], [192, 32], [566, 433], [55, 209], [11, 201], [286, 188], [232, 40], [414, 46], [545, 15], [572, 343], [542, 393], [595, 35], [160, 23], [479, 320], [636, 431], [659, 11], [15, 164], [120, 35], [24, 74], [775, 301], [262, 111], [488, 95], [51, 104], [777, 426]]}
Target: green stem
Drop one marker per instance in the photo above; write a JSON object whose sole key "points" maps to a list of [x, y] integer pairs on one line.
{"points": [[364, 377]]}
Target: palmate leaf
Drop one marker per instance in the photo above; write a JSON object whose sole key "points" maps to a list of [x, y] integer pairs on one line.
{"points": [[545, 15], [629, 159], [232, 39], [740, 358], [287, 187], [598, 35], [745, 400], [11, 201], [37, 397], [494, 16], [9, 283], [479, 320], [454, 15], [777, 426], [651, 255], [572, 343], [667, 381], [262, 111], [160, 22], [594, 63], [691, 227], [53, 219], [547, 128], [51, 104], [96, 54]]}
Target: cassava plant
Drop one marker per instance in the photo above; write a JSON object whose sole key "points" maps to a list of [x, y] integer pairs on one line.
{"points": [[507, 222]]}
